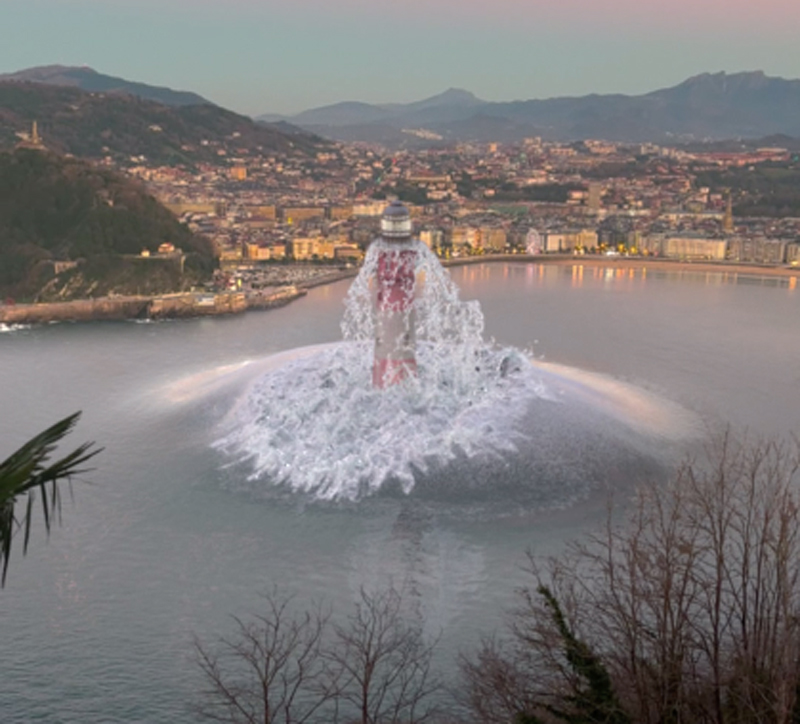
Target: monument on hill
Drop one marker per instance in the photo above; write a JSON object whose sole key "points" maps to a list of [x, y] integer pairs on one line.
{"points": [[32, 140]]}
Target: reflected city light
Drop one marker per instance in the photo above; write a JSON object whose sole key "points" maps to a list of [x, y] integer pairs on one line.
{"points": [[622, 275]]}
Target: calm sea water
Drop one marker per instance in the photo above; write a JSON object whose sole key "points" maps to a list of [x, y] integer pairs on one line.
{"points": [[96, 624]]}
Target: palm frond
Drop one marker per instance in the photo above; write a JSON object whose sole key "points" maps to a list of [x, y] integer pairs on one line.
{"points": [[30, 469]]}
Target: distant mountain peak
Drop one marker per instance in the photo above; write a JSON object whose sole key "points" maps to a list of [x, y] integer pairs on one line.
{"points": [[747, 104], [456, 94], [723, 77], [451, 97]]}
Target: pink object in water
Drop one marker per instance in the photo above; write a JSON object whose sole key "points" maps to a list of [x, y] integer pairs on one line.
{"points": [[395, 340]]}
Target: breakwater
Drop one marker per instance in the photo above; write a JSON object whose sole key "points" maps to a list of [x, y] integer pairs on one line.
{"points": [[165, 306]]}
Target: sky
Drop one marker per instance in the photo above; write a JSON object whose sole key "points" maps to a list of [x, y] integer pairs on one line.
{"points": [[284, 56]]}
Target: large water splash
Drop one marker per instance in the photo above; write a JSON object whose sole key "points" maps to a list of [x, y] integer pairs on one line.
{"points": [[477, 422], [317, 425], [441, 316]]}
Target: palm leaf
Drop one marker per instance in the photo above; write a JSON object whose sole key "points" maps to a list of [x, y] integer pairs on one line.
{"points": [[30, 469]]}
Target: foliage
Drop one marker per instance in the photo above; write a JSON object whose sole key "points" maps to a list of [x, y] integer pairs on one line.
{"points": [[691, 605], [550, 193], [595, 702], [30, 469], [617, 169], [410, 193], [468, 186], [95, 125], [59, 209], [766, 189]]}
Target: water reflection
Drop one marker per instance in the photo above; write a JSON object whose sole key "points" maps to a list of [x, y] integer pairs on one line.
{"points": [[622, 277], [441, 573]]}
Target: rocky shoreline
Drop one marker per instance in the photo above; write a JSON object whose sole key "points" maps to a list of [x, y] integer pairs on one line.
{"points": [[165, 306]]}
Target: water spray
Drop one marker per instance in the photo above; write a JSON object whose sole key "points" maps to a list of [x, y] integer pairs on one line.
{"points": [[335, 422]]}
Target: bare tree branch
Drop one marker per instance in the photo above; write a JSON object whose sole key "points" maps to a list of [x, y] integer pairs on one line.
{"points": [[692, 603], [270, 671], [384, 663]]}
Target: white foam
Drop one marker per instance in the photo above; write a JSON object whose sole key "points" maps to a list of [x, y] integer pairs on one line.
{"points": [[7, 328], [312, 421], [317, 425]]}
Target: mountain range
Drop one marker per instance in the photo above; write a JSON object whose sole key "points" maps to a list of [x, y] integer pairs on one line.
{"points": [[90, 80], [704, 107]]}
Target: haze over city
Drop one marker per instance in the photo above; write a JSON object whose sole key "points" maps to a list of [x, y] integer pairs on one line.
{"points": [[281, 57]]}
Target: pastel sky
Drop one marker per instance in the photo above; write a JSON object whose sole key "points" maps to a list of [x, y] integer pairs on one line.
{"points": [[283, 56]]}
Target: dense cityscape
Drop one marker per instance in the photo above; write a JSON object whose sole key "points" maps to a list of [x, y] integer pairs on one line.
{"points": [[266, 204], [591, 197]]}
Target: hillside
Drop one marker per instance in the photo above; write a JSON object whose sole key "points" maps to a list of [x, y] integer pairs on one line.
{"points": [[54, 209], [132, 130], [90, 80], [705, 107]]}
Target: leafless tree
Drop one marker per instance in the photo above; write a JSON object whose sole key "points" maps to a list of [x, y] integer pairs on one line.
{"points": [[692, 603], [272, 670], [383, 662], [503, 679], [297, 668]]}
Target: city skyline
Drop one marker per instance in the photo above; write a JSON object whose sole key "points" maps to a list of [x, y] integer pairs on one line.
{"points": [[270, 57]]}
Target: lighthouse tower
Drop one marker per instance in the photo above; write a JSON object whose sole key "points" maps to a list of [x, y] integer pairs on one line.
{"points": [[395, 342]]}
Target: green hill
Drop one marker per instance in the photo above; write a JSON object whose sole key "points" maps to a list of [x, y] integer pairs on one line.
{"points": [[55, 209], [124, 127]]}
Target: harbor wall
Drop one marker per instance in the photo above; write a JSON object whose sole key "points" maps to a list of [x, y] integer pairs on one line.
{"points": [[165, 306]]}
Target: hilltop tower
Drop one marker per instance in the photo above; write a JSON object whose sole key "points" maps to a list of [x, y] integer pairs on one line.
{"points": [[32, 139]]}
